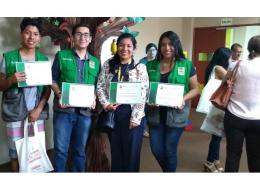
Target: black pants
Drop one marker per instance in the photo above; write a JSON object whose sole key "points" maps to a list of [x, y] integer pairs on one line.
{"points": [[237, 130]]}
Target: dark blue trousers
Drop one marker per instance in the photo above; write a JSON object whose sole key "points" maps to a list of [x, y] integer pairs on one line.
{"points": [[125, 143], [214, 147]]}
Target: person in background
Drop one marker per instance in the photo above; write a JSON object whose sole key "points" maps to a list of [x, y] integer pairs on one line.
{"points": [[71, 125], [235, 55], [166, 124], [126, 137], [242, 119], [20, 103], [151, 51], [216, 68]]}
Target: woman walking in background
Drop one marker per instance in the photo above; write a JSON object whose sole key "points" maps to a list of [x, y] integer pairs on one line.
{"points": [[216, 69]]}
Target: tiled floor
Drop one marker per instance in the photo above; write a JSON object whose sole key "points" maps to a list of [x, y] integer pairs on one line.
{"points": [[192, 151]]}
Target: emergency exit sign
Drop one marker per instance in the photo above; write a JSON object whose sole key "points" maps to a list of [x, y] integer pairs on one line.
{"points": [[226, 21]]}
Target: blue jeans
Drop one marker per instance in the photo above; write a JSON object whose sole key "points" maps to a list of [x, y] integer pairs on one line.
{"points": [[164, 142], [126, 143], [214, 147], [71, 130]]}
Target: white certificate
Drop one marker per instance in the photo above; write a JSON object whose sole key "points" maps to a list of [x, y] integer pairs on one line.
{"points": [[77, 95], [37, 73], [126, 93], [169, 95]]}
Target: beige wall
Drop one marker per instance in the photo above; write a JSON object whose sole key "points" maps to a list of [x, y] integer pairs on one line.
{"points": [[151, 29]]}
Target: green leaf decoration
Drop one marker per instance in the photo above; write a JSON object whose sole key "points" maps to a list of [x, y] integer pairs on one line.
{"points": [[126, 30], [56, 23], [136, 20]]}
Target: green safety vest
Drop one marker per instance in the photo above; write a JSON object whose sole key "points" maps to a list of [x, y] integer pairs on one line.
{"points": [[69, 70], [180, 73], [14, 56], [13, 102]]}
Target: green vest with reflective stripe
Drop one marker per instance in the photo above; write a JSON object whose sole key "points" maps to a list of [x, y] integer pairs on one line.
{"points": [[69, 69], [180, 73], [13, 101], [14, 56]]}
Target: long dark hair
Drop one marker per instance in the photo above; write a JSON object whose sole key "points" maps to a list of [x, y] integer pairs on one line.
{"points": [[176, 43], [116, 59], [220, 57]]}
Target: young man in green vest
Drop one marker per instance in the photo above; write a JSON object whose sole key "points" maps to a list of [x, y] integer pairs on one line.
{"points": [[19, 103], [72, 125]]}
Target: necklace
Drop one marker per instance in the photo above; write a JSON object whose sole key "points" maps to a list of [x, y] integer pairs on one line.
{"points": [[120, 75]]}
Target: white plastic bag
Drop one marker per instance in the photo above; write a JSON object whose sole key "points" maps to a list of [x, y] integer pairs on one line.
{"points": [[214, 122], [31, 151], [204, 104]]}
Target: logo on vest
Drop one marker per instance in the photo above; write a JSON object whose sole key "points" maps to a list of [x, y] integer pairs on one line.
{"points": [[67, 59], [92, 64], [181, 71]]}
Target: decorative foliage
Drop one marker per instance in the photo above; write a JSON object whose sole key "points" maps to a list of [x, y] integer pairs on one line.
{"points": [[59, 29], [136, 20], [126, 30]]}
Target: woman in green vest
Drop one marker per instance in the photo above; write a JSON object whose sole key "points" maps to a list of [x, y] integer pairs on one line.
{"points": [[19, 103], [166, 124]]}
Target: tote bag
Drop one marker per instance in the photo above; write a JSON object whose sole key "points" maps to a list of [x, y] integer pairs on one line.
{"points": [[213, 122], [221, 96], [204, 102], [31, 151]]}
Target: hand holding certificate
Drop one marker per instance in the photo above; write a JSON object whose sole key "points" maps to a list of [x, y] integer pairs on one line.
{"points": [[125, 92], [165, 94], [77, 95], [37, 73]]}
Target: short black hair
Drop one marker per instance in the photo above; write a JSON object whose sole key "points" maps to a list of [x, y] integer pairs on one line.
{"points": [[37, 22], [149, 47], [253, 46], [234, 46], [78, 26]]}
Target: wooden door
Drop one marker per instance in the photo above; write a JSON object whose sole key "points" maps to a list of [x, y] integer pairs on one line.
{"points": [[205, 42]]}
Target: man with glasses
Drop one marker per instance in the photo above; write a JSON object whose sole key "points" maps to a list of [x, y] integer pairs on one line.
{"points": [[71, 125]]}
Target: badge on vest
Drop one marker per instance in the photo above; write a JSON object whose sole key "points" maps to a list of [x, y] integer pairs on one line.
{"points": [[181, 71], [67, 59], [92, 64]]}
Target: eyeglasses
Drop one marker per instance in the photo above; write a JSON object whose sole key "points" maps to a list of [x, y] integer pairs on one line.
{"points": [[79, 35]]}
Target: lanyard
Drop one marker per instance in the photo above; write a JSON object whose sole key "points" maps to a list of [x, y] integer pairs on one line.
{"points": [[121, 78]]}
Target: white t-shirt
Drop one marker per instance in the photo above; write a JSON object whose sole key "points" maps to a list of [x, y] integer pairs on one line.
{"points": [[245, 99], [232, 63]]}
